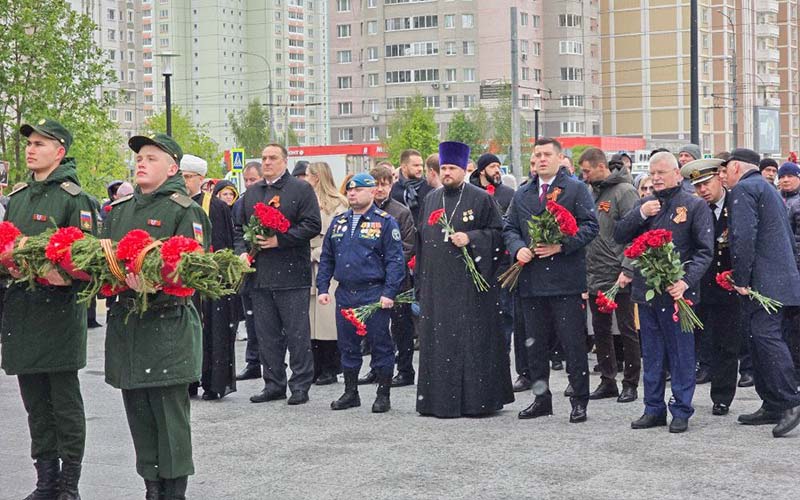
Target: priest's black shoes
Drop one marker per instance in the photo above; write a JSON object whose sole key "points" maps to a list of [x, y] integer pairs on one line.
{"points": [[210, 396], [569, 391], [539, 408], [327, 378], [265, 395], [249, 372], [760, 417], [522, 384], [369, 378], [628, 395], [720, 409], [746, 380], [789, 420], [298, 398], [402, 380], [605, 390], [648, 421], [556, 365], [678, 425], [703, 376], [578, 414]]}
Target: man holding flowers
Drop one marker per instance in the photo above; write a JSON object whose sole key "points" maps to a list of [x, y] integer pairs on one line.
{"points": [[552, 273], [685, 221]]}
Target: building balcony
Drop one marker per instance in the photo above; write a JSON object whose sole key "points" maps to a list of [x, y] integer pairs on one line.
{"points": [[768, 55], [770, 6], [767, 30], [771, 80]]}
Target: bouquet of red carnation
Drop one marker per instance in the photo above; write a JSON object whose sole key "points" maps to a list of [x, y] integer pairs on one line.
{"points": [[548, 228], [725, 280], [30, 260], [9, 237], [605, 300], [412, 264], [59, 251], [660, 264], [440, 217], [357, 316], [266, 221]]}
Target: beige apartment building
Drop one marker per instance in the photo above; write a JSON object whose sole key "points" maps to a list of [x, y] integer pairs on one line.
{"points": [[646, 72]]}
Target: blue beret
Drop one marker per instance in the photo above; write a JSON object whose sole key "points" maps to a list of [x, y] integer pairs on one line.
{"points": [[789, 168], [454, 153], [361, 180]]}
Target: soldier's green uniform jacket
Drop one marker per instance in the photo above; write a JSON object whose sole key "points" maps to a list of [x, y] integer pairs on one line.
{"points": [[164, 346], [44, 329]]}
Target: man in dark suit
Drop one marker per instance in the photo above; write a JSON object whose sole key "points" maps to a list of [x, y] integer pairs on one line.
{"points": [[763, 254], [719, 309]]}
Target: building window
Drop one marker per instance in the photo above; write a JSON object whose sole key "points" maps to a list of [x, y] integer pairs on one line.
{"points": [[345, 82], [449, 21], [344, 56], [432, 101], [570, 47], [372, 53], [452, 102], [573, 127], [450, 75], [412, 49], [467, 21], [374, 133], [569, 21], [129, 116], [342, 5], [571, 101], [468, 47], [111, 14], [537, 48], [343, 31], [345, 108], [372, 27], [571, 74], [526, 73], [345, 135], [537, 21], [112, 35], [373, 79], [469, 74], [469, 101], [523, 18], [449, 48]]}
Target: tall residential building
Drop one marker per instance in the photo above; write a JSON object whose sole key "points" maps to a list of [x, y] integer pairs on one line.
{"points": [[571, 87], [229, 52], [383, 52], [119, 36], [646, 72]]}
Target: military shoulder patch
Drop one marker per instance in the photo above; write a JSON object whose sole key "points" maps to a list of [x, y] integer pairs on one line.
{"points": [[120, 200], [19, 189], [181, 199], [71, 188], [383, 214], [396, 234], [86, 220]]}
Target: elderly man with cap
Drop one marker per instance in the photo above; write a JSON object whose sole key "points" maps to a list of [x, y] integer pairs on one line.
{"points": [[463, 365], [154, 356], [769, 170], [43, 327], [722, 334], [763, 255], [218, 317], [363, 251]]}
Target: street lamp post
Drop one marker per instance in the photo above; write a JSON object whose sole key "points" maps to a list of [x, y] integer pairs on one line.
{"points": [[537, 106], [166, 71], [269, 92], [735, 118]]}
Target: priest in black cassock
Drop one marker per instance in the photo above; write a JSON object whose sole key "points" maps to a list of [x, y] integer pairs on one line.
{"points": [[219, 317], [463, 366]]}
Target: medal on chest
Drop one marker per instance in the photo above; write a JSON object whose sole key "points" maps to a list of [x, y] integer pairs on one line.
{"points": [[467, 216]]}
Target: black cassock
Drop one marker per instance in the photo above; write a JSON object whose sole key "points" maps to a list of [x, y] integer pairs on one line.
{"points": [[219, 317], [463, 364]]}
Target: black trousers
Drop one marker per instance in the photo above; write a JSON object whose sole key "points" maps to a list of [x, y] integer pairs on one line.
{"points": [[326, 357], [547, 319], [604, 341], [251, 355], [55, 415], [402, 328], [520, 339], [773, 370], [282, 321], [722, 331], [791, 334]]}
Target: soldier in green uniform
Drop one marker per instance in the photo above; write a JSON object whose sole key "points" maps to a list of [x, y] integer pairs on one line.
{"points": [[44, 328], [154, 357]]}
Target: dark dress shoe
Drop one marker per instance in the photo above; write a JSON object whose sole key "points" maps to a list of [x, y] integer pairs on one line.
{"points": [[596, 369], [402, 380], [557, 365], [720, 409], [569, 391], [760, 417], [249, 372], [648, 421], [326, 379], [265, 395], [578, 414], [539, 408], [522, 384], [605, 390], [703, 376], [628, 395], [369, 378], [210, 396], [789, 420], [93, 324], [678, 425], [298, 398], [746, 380]]}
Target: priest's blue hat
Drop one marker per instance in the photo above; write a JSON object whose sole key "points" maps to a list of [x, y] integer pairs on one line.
{"points": [[454, 153]]}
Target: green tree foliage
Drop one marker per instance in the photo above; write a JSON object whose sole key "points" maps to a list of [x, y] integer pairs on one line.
{"points": [[293, 139], [250, 127], [463, 129], [412, 127], [50, 67], [193, 139]]}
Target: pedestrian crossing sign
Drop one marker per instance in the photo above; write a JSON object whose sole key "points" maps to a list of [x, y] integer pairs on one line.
{"points": [[237, 160]]}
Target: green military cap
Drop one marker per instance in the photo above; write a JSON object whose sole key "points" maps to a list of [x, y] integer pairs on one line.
{"points": [[699, 171], [50, 129], [161, 141]]}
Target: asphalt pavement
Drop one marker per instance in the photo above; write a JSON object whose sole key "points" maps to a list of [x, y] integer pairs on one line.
{"points": [[248, 451]]}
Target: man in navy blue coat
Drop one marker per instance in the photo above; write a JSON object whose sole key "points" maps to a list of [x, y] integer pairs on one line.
{"points": [[763, 253], [553, 277], [689, 220]]}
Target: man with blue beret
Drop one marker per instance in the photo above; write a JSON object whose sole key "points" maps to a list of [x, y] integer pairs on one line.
{"points": [[363, 251]]}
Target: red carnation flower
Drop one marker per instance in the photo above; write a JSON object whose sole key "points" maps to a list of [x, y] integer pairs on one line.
{"points": [[107, 208], [491, 189], [132, 244], [412, 264], [8, 238], [60, 243], [173, 248], [107, 290], [566, 221], [272, 218], [725, 280], [604, 304], [435, 216]]}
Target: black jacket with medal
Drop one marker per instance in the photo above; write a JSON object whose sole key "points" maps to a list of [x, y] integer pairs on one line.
{"points": [[710, 291]]}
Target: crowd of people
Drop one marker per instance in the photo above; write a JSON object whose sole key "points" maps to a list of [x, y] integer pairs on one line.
{"points": [[421, 248]]}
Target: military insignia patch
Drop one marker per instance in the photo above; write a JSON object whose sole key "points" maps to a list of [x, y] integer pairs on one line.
{"points": [[40, 217], [553, 195], [154, 222], [396, 234], [680, 215], [198, 232], [604, 206], [86, 220]]}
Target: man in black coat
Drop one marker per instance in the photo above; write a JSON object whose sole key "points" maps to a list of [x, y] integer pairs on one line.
{"points": [[763, 253], [280, 287], [719, 310], [689, 220], [488, 174], [553, 277], [411, 187]]}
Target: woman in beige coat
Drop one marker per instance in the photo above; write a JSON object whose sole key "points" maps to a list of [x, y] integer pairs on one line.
{"points": [[323, 319]]}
